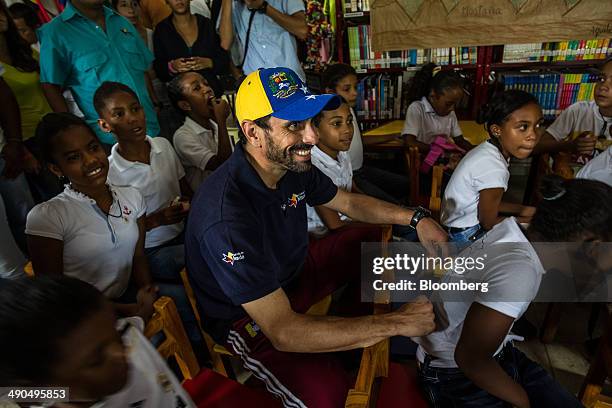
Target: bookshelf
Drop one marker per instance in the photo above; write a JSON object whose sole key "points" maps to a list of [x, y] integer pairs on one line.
{"points": [[545, 69]]}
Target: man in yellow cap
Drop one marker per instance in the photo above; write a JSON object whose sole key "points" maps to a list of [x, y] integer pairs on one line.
{"points": [[249, 259]]}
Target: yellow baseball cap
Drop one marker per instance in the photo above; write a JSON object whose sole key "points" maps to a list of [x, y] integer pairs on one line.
{"points": [[281, 93]]}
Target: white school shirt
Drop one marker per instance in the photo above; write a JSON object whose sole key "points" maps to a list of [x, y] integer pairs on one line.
{"points": [[513, 272], [341, 174], [158, 182], [98, 248], [481, 168], [355, 151], [599, 168], [580, 117], [423, 122], [195, 146]]}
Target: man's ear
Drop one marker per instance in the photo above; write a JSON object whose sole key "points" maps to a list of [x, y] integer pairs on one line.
{"points": [[104, 126], [251, 132], [184, 105]]}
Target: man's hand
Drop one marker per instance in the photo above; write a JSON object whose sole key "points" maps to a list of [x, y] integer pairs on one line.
{"points": [[416, 318], [430, 234], [221, 109], [13, 163], [584, 143]]}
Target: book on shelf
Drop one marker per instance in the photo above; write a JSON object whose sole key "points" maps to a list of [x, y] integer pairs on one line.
{"points": [[362, 57], [555, 92], [355, 6], [575, 50]]}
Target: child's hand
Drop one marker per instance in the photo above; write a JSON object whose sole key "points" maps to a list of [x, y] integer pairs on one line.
{"points": [[221, 109], [584, 143], [173, 214], [145, 298]]}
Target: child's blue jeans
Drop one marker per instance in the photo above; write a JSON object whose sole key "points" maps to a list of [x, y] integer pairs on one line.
{"points": [[450, 388]]}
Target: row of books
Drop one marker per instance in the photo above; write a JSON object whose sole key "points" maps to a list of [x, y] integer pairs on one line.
{"points": [[354, 6], [380, 96], [575, 50], [555, 92], [362, 57]]}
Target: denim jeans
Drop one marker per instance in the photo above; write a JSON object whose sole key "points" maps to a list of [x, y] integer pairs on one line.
{"points": [[463, 237], [450, 388], [18, 202]]}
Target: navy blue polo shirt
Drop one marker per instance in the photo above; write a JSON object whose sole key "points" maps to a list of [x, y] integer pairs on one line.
{"points": [[244, 240]]}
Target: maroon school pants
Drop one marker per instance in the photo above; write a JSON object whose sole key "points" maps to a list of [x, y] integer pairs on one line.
{"points": [[315, 380]]}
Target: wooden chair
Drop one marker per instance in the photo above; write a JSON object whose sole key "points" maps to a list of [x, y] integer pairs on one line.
{"points": [[432, 199], [375, 358], [216, 350], [599, 370], [176, 344]]}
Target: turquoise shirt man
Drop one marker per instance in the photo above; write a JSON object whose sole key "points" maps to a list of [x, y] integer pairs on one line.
{"points": [[79, 55]]}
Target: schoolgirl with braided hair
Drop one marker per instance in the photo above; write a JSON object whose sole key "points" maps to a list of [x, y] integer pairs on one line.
{"points": [[473, 196]]}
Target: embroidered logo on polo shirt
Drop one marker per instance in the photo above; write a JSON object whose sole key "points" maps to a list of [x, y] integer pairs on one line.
{"points": [[232, 257], [295, 199]]}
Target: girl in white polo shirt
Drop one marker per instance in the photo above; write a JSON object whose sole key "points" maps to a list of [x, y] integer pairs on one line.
{"points": [[431, 113], [470, 361], [473, 196], [92, 231]]}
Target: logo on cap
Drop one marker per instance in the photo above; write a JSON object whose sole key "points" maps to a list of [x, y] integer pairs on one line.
{"points": [[282, 85]]}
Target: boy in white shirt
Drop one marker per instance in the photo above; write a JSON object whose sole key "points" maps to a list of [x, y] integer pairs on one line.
{"points": [[600, 168], [202, 143], [579, 127], [151, 166]]}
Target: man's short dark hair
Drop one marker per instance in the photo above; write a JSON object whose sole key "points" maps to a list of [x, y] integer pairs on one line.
{"points": [[263, 123], [108, 89]]}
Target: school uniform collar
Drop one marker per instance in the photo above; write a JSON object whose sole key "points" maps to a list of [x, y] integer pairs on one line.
{"points": [[327, 161], [70, 11], [427, 105], [78, 196], [122, 164], [198, 129]]}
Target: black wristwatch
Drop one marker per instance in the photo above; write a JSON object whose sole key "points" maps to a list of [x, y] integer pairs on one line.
{"points": [[263, 8], [419, 214]]}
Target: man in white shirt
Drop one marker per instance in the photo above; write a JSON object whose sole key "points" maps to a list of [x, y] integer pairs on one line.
{"points": [[202, 143], [266, 32]]}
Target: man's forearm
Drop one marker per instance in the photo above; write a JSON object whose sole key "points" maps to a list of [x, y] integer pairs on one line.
{"points": [[226, 27], [54, 96], [321, 334], [361, 207], [295, 24]]}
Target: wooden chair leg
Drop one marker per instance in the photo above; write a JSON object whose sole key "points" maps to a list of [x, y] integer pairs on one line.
{"points": [[551, 323]]}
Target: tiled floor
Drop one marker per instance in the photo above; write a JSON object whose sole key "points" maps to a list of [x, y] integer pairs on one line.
{"points": [[567, 358]]}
